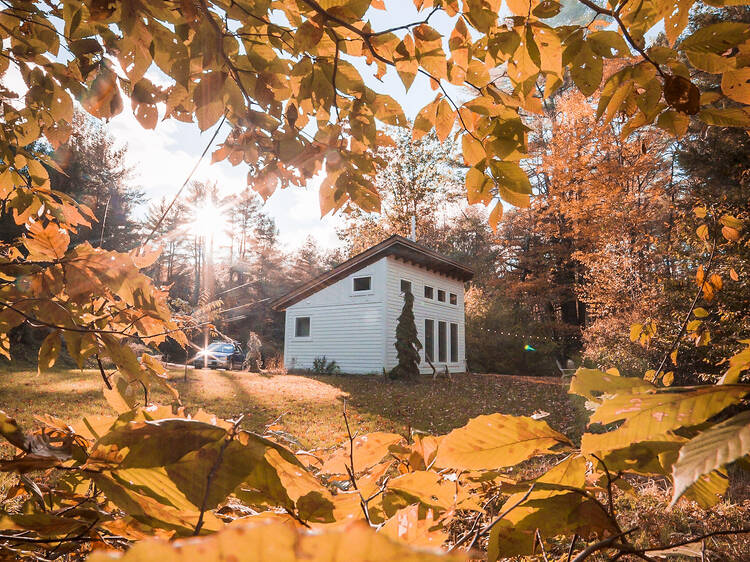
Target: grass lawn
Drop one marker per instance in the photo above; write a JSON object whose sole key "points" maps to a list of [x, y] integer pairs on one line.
{"points": [[310, 406]]}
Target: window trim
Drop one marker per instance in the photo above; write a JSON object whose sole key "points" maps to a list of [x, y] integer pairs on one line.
{"points": [[453, 343], [442, 357], [432, 292], [439, 292], [429, 345], [453, 299], [363, 291], [309, 328], [401, 286]]}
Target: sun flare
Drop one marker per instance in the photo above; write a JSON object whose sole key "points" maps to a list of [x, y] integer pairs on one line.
{"points": [[208, 220]]}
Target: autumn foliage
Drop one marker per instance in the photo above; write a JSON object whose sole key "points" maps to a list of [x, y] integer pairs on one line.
{"points": [[281, 73]]}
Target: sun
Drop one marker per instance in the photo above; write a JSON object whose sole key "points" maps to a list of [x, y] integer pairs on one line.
{"points": [[209, 219]]}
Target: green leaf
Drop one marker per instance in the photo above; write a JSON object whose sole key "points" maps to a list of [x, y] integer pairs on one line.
{"points": [[608, 44], [710, 450], [586, 69], [711, 62], [716, 38], [674, 122], [511, 176], [494, 441], [729, 117]]}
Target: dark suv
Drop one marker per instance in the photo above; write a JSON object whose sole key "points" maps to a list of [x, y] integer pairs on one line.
{"points": [[220, 354]]}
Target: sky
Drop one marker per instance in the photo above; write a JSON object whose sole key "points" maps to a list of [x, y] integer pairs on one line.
{"points": [[162, 158]]}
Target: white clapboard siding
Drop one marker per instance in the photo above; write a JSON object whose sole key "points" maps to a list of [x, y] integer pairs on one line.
{"points": [[424, 308], [344, 327]]}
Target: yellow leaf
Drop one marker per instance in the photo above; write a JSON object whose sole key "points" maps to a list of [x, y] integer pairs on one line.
{"points": [[495, 441], [736, 84], [49, 351], [473, 150], [478, 187], [596, 385], [522, 7], [425, 119], [368, 451], [650, 415], [495, 215], [271, 540], [46, 243], [444, 119], [406, 526]]}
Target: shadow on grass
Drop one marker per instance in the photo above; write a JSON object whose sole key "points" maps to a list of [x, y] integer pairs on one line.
{"points": [[438, 406]]}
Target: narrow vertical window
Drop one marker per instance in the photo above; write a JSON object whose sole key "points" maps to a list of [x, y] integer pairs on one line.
{"points": [[429, 339], [429, 292], [441, 295], [454, 343], [454, 298], [442, 342]]}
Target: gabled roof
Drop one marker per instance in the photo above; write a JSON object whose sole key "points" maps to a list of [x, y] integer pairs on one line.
{"points": [[396, 246]]}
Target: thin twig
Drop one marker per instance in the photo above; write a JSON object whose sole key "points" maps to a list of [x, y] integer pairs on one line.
{"points": [[538, 539], [105, 378], [487, 528], [601, 545], [572, 546], [469, 533], [683, 328], [610, 501]]}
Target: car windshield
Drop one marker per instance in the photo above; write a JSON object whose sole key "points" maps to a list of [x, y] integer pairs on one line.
{"points": [[221, 347]]}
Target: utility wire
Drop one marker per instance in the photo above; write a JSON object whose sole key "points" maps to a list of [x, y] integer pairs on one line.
{"points": [[234, 288], [190, 175]]}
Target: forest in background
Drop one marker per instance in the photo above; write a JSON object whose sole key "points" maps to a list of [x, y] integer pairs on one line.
{"points": [[608, 240]]}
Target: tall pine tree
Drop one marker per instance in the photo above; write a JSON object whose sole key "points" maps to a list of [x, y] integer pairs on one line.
{"points": [[407, 343]]}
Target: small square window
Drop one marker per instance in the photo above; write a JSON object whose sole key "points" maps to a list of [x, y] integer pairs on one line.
{"points": [[302, 327], [454, 298], [429, 292], [405, 286], [362, 284], [441, 295]]}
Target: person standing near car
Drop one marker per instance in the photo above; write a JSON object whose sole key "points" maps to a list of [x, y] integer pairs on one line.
{"points": [[252, 357]]}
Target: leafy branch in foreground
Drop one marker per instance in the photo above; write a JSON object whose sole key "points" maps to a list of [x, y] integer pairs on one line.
{"points": [[158, 472]]}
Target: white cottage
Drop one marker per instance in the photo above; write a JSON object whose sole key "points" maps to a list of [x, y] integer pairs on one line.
{"points": [[349, 314]]}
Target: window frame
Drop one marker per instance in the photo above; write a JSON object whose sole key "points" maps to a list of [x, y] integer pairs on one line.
{"points": [[401, 286], [309, 327], [432, 292], [439, 293], [368, 291], [453, 344], [442, 337], [453, 299], [429, 340]]}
